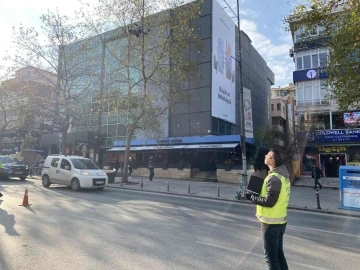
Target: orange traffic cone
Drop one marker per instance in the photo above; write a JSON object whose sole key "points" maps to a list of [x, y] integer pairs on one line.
{"points": [[26, 199]]}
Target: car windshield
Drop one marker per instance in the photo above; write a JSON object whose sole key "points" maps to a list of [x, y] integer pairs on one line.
{"points": [[83, 164], [6, 160]]}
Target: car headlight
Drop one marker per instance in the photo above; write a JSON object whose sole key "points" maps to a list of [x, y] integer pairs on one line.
{"points": [[84, 173]]}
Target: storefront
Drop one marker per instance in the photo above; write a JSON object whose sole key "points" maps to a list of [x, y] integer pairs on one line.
{"points": [[198, 153], [329, 149]]}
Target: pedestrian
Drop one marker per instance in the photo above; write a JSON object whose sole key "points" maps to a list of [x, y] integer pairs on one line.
{"points": [[130, 166], [271, 209], [117, 165], [151, 168], [316, 174]]}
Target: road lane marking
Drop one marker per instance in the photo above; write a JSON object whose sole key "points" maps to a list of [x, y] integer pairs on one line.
{"points": [[325, 231], [311, 229]]}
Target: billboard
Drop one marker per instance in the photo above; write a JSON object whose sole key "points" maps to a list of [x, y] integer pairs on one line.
{"points": [[352, 118], [249, 130], [223, 64]]}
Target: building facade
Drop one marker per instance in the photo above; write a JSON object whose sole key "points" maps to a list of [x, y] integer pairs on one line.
{"points": [[214, 106], [283, 102], [29, 85], [328, 137]]}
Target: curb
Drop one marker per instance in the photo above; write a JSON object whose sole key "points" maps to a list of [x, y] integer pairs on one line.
{"points": [[182, 195], [295, 185], [238, 201]]}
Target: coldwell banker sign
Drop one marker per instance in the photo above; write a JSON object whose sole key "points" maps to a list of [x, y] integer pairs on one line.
{"points": [[223, 64], [329, 136]]}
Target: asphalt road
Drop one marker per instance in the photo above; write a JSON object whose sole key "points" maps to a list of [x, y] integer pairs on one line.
{"points": [[122, 229]]}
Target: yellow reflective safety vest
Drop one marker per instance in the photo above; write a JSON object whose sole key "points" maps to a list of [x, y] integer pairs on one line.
{"points": [[278, 213]]}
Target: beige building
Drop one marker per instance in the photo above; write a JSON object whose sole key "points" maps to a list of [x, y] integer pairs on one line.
{"points": [[283, 101]]}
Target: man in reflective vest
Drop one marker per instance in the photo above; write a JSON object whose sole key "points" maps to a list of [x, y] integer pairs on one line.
{"points": [[271, 209]]}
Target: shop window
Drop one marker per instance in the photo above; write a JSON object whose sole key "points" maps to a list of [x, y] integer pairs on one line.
{"points": [[221, 126], [215, 125], [228, 129], [338, 120]]}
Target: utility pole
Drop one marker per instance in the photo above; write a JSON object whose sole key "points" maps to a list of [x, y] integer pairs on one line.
{"points": [[243, 177], [243, 181]]}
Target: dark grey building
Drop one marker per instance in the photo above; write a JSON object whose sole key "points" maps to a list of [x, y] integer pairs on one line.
{"points": [[194, 118]]}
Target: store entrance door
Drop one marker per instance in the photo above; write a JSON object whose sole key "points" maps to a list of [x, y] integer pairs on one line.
{"points": [[330, 164]]}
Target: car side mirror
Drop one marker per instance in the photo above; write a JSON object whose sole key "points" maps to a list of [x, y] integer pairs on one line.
{"points": [[67, 168]]}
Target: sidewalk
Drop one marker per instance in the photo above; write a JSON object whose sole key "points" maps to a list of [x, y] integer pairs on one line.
{"points": [[302, 198], [308, 181]]}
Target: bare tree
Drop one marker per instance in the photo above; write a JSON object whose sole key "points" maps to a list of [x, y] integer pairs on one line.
{"points": [[145, 60], [57, 63], [11, 107]]}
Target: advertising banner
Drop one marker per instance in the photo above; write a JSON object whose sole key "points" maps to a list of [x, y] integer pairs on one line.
{"points": [[249, 130], [223, 64], [352, 118]]}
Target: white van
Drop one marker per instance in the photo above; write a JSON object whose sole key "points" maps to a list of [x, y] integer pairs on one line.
{"points": [[74, 171]]}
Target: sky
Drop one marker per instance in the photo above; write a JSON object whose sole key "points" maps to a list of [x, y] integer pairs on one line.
{"points": [[260, 19]]}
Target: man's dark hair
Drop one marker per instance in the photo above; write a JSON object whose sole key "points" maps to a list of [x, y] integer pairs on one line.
{"points": [[278, 157]]}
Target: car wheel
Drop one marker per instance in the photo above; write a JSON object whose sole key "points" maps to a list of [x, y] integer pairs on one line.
{"points": [[46, 181], [100, 188], [22, 178], [75, 184]]}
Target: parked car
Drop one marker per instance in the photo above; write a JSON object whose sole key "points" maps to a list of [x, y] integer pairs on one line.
{"points": [[74, 171], [12, 167]]}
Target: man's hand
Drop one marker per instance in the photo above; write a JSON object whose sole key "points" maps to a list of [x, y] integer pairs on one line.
{"points": [[247, 195]]}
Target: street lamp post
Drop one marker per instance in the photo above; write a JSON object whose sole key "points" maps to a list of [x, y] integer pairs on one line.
{"points": [[243, 181]]}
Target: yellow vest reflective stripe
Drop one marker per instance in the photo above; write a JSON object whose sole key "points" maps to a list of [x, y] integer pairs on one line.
{"points": [[278, 213]]}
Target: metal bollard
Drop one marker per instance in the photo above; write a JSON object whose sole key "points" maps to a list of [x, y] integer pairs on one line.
{"points": [[168, 186], [218, 189], [189, 188], [142, 184], [318, 199]]}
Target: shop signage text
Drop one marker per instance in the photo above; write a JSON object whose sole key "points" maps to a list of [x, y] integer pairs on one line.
{"points": [[169, 141], [330, 136], [332, 149], [309, 74]]}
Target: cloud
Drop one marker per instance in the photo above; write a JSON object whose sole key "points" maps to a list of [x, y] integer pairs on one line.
{"points": [[249, 13], [276, 55]]}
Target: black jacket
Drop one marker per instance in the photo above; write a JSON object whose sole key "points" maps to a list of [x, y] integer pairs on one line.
{"points": [[151, 164], [316, 173], [273, 188]]}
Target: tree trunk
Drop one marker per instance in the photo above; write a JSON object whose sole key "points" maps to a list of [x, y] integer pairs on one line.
{"points": [[126, 158]]}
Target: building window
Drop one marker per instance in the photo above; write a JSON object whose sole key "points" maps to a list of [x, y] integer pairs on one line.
{"points": [[278, 106], [272, 107], [315, 60], [307, 62], [311, 93], [323, 59], [314, 120], [302, 35], [299, 63], [311, 59]]}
